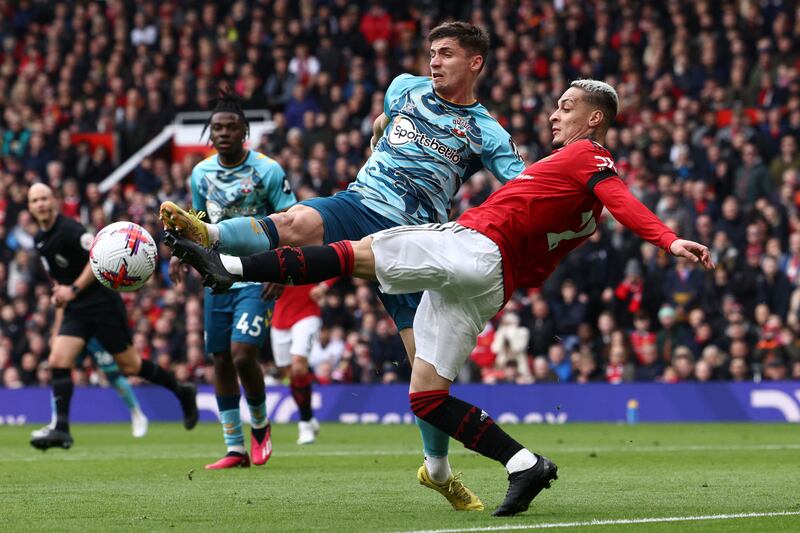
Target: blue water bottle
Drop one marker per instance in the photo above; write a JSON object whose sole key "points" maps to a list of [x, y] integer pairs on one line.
{"points": [[633, 411]]}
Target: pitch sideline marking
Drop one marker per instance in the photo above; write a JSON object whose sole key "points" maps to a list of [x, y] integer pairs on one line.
{"points": [[612, 522]]}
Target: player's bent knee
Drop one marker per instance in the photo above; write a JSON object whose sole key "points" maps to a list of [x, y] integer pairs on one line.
{"points": [[364, 258], [299, 368], [128, 361], [244, 356], [301, 225]]}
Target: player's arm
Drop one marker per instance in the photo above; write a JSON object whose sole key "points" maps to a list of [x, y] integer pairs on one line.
{"points": [[500, 155], [631, 213], [63, 294], [378, 127]]}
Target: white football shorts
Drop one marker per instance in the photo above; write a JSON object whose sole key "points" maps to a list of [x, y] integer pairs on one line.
{"points": [[461, 272], [297, 340]]}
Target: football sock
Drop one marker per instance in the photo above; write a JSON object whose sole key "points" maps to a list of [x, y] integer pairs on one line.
{"points": [[438, 468], [258, 415], [300, 265], [243, 236], [522, 460], [300, 386], [125, 391], [435, 443], [232, 264], [157, 375], [62, 396], [465, 423], [231, 422]]}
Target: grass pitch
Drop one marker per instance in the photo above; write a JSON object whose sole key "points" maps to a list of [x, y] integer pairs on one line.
{"points": [[363, 478]]}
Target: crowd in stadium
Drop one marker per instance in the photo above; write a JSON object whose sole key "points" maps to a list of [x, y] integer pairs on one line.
{"points": [[707, 137]]}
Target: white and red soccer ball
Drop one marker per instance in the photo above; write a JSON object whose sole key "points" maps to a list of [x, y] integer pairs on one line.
{"points": [[123, 256]]}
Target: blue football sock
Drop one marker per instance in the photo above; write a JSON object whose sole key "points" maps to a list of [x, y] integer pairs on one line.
{"points": [[125, 391], [231, 422], [244, 236], [435, 442], [258, 411]]}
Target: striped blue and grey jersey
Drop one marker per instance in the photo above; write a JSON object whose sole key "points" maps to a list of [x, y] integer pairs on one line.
{"points": [[257, 187], [430, 147]]}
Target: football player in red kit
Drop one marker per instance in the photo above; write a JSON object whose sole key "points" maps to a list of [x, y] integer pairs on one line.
{"points": [[469, 268], [296, 324]]}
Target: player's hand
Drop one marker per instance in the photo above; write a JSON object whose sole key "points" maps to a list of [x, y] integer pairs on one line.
{"points": [[693, 251], [318, 293], [62, 295], [177, 271], [271, 291]]}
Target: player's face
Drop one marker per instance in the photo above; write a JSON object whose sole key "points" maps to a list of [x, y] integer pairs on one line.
{"points": [[227, 133], [452, 67], [572, 119], [41, 204]]}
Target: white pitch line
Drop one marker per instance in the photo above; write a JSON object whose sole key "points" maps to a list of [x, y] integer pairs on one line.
{"points": [[129, 453], [624, 521]]}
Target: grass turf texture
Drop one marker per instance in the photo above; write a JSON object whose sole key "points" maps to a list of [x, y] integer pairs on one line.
{"points": [[363, 478]]}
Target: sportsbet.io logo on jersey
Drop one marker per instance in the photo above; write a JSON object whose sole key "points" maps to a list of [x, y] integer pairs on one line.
{"points": [[405, 131]]}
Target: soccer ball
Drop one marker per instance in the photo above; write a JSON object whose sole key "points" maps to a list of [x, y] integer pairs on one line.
{"points": [[123, 256]]}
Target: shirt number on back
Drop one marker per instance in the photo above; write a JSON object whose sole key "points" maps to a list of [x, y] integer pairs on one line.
{"points": [[588, 225]]}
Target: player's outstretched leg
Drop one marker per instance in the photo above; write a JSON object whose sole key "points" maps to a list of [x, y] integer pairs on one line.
{"points": [[528, 473], [139, 422], [57, 435], [105, 361], [131, 364], [287, 264], [235, 236], [185, 223]]}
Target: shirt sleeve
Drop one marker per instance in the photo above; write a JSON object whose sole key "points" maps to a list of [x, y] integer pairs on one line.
{"points": [[631, 213], [501, 157], [281, 196], [396, 89], [589, 164], [198, 196]]}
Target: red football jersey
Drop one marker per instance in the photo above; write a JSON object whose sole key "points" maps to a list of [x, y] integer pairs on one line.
{"points": [[294, 305], [553, 206]]}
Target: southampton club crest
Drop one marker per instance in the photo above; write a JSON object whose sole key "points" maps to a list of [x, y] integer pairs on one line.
{"points": [[460, 127]]}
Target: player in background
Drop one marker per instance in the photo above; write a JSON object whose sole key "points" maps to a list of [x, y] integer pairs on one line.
{"points": [[105, 362], [89, 310], [470, 268], [432, 136], [295, 326], [237, 182]]}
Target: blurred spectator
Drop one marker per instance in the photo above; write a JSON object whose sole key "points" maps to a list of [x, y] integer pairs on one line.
{"points": [[708, 140], [510, 344]]}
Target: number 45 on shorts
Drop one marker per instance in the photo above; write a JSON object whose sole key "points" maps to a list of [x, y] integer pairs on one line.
{"points": [[252, 327]]}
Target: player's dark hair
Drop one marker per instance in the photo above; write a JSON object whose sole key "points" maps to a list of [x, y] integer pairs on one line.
{"points": [[227, 102], [472, 38]]}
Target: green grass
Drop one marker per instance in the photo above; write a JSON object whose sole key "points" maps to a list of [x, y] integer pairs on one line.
{"points": [[362, 478]]}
